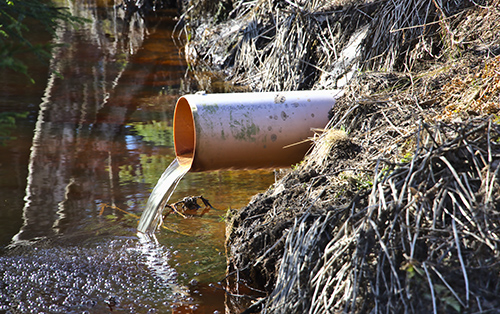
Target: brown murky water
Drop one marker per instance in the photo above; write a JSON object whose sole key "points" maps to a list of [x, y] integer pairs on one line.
{"points": [[76, 169]]}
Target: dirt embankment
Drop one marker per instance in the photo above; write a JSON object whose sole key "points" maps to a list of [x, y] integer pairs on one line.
{"points": [[397, 206]]}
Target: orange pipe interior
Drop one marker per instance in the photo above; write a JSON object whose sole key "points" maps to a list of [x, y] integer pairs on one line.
{"points": [[184, 131]]}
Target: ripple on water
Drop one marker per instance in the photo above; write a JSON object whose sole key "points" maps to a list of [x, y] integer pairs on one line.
{"points": [[75, 279]]}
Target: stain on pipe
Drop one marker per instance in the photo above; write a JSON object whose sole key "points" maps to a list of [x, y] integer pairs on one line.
{"points": [[248, 130]]}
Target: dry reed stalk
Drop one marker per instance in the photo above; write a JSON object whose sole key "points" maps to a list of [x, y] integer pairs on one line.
{"points": [[289, 45], [276, 55], [430, 227], [427, 221]]}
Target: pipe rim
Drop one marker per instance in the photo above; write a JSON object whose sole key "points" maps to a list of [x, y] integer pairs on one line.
{"points": [[184, 131]]}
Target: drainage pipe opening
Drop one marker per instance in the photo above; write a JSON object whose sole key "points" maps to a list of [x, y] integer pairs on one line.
{"points": [[184, 132]]}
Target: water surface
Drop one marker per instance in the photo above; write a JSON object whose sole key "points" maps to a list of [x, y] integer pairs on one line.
{"points": [[86, 149]]}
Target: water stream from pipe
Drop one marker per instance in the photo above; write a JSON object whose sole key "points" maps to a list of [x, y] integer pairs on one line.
{"points": [[151, 217]]}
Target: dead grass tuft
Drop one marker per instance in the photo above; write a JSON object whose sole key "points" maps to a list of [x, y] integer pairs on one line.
{"points": [[475, 93]]}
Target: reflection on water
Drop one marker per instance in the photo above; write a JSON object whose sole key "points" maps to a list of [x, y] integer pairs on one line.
{"points": [[81, 169], [82, 101]]}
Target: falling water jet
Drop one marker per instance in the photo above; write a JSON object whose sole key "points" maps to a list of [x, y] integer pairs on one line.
{"points": [[238, 131], [151, 217]]}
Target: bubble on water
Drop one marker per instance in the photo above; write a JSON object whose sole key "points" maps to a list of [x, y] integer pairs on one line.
{"points": [[193, 282], [194, 307]]}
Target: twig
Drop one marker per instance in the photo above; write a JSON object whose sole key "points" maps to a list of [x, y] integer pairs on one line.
{"points": [[448, 285], [433, 295], [460, 258]]}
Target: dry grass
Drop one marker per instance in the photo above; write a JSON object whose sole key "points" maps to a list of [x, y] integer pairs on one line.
{"points": [[290, 45], [269, 45], [430, 231], [422, 233], [474, 93]]}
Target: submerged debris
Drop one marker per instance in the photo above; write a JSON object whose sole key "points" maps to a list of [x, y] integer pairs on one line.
{"points": [[188, 206]]}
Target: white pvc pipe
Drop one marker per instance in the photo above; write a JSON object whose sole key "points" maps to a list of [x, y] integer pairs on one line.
{"points": [[248, 130]]}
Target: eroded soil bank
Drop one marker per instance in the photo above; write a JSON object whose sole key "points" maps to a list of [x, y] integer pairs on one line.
{"points": [[396, 207]]}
